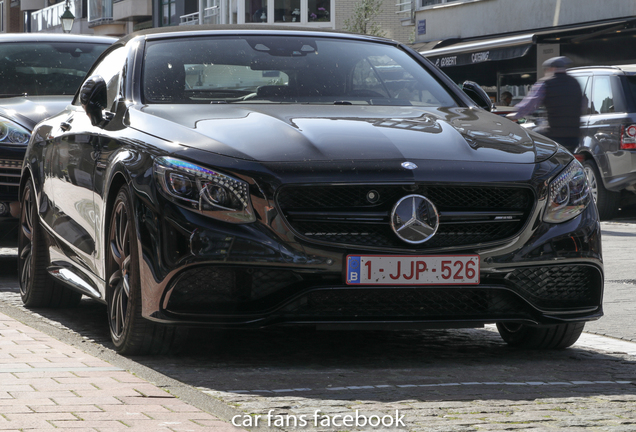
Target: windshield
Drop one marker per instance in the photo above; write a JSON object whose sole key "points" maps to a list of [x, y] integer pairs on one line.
{"points": [[286, 69], [45, 68]]}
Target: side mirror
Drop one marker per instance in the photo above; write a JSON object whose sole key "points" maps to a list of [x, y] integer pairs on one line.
{"points": [[477, 94], [93, 97]]}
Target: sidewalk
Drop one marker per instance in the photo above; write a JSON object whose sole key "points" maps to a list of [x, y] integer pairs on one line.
{"points": [[46, 384], [619, 299]]}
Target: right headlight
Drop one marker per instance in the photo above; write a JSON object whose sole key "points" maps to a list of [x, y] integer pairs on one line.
{"points": [[204, 190], [13, 133], [569, 194]]}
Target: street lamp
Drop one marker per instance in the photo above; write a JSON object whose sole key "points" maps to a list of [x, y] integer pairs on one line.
{"points": [[67, 18]]}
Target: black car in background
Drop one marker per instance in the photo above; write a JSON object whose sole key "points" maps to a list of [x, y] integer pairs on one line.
{"points": [[246, 177], [608, 128], [39, 74]]}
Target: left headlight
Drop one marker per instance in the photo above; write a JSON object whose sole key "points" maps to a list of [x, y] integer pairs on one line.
{"points": [[569, 194], [203, 190], [13, 133]]}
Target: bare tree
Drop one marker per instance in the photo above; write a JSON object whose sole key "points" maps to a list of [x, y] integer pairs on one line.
{"points": [[363, 18]]}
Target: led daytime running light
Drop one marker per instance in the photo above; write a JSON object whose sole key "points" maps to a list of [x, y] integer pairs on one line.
{"points": [[569, 194], [238, 188], [204, 190]]}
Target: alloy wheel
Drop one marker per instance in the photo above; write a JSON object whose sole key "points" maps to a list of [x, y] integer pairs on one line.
{"points": [[26, 242], [591, 181], [120, 279]]}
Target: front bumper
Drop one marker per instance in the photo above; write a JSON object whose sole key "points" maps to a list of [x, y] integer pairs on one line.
{"points": [[196, 271]]}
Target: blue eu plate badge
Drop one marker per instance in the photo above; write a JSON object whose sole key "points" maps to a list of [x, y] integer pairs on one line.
{"points": [[353, 269]]}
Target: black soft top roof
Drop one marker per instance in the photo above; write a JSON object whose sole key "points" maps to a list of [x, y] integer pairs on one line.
{"points": [[161, 32]]}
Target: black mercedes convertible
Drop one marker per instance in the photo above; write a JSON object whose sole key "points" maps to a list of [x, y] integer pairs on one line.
{"points": [[248, 177]]}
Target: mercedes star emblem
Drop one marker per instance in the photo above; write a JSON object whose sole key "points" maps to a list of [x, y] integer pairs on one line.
{"points": [[414, 219]]}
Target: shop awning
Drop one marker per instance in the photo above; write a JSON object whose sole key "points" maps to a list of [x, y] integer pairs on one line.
{"points": [[467, 53], [510, 47]]}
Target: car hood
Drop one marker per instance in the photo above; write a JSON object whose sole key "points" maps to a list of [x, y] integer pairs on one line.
{"points": [[29, 110], [291, 133]]}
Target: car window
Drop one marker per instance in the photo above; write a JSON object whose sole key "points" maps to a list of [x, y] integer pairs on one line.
{"points": [[289, 69], [45, 68], [602, 98], [586, 88], [630, 86], [110, 69]]}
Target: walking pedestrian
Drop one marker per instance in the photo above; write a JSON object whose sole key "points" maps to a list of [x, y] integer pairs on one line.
{"points": [[561, 95]]}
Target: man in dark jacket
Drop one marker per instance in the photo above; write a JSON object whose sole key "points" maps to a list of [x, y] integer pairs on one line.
{"points": [[561, 95]]}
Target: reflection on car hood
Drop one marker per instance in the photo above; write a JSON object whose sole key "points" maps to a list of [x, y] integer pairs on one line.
{"points": [[29, 110], [275, 133]]}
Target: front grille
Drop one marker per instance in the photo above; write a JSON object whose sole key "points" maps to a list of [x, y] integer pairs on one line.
{"points": [[343, 215], [10, 176], [227, 290], [558, 286], [451, 303]]}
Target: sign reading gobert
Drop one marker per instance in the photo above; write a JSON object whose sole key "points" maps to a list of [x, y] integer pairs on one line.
{"points": [[319, 420]]}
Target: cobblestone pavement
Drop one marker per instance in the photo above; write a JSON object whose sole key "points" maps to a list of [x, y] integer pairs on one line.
{"points": [[438, 380], [460, 380]]}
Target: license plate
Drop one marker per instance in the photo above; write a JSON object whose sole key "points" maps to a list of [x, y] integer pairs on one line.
{"points": [[412, 270]]}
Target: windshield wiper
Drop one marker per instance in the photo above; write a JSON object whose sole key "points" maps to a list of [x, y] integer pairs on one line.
{"points": [[7, 95]]}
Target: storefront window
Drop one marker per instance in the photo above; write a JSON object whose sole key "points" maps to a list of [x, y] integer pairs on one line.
{"points": [[255, 11], [318, 10], [286, 10], [517, 84]]}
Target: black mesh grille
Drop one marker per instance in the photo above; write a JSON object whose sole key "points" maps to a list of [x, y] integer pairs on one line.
{"points": [[203, 285], [345, 215], [381, 235], [239, 290], [9, 176], [268, 281], [210, 288], [360, 303], [336, 197], [444, 197], [558, 286]]}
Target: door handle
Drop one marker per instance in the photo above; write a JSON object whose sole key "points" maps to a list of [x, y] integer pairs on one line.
{"points": [[65, 126]]}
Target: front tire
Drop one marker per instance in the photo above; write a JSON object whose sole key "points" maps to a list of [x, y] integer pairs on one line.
{"points": [[557, 336], [130, 332], [607, 201], [37, 288]]}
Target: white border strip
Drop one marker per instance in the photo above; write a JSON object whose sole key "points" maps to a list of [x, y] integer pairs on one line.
{"points": [[398, 386]]}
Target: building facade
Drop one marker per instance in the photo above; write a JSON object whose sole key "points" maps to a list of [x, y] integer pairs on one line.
{"points": [[120, 17], [305, 13], [501, 44], [102, 17]]}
